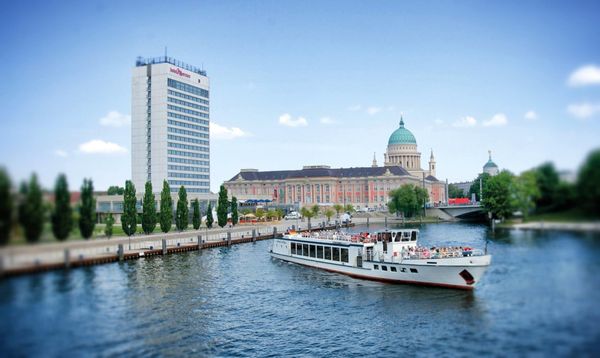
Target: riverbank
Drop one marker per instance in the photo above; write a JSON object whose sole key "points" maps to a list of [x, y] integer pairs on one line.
{"points": [[560, 226]]}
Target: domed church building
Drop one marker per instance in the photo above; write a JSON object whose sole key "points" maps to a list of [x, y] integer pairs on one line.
{"points": [[363, 187]]}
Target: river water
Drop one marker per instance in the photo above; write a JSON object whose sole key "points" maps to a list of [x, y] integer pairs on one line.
{"points": [[540, 297]]}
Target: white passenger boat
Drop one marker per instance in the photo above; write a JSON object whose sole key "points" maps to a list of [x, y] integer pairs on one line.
{"points": [[388, 256]]}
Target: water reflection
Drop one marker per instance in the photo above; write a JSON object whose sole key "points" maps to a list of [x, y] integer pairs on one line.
{"points": [[539, 297]]}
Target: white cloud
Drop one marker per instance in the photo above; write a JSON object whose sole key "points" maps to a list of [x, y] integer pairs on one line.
{"points": [[464, 122], [531, 115], [438, 122], [221, 132], [497, 120], [115, 119], [98, 146], [585, 76], [286, 120], [373, 110], [584, 110], [61, 153], [355, 108], [327, 120]]}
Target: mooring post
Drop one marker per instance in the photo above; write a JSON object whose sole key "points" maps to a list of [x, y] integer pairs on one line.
{"points": [[67, 258], [367, 221], [228, 238], [274, 232], [121, 253], [385, 221], [253, 235], [309, 226], [164, 246], [199, 242]]}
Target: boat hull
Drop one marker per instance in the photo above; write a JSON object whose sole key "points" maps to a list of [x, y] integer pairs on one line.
{"points": [[458, 273]]}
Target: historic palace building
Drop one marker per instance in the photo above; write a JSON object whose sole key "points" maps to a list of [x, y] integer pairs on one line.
{"points": [[361, 187]]}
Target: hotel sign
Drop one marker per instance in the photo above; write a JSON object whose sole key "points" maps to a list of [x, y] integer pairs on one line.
{"points": [[179, 72]]}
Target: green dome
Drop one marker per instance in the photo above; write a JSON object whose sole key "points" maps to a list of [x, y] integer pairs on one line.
{"points": [[490, 163], [402, 136]]}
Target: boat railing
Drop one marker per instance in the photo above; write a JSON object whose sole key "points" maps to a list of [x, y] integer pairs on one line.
{"points": [[326, 235]]}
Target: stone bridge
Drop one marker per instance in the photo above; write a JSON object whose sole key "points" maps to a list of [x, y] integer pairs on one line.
{"points": [[452, 212]]}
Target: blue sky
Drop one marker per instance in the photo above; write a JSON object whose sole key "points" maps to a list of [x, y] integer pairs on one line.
{"points": [[306, 82]]}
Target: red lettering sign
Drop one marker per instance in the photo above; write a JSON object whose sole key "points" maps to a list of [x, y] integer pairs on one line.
{"points": [[179, 72]]}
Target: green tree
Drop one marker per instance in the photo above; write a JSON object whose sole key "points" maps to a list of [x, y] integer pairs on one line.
{"points": [[181, 215], [234, 211], [209, 216], [260, 213], [497, 195], [524, 192], [307, 213], [315, 210], [108, 229], [62, 214], [129, 217], [6, 206], [403, 200], [196, 218], [548, 183], [280, 213], [32, 211], [115, 190], [87, 209], [475, 187], [349, 208], [588, 183], [455, 192], [148, 210], [422, 196], [223, 206], [329, 213], [272, 214], [338, 209], [166, 208]]}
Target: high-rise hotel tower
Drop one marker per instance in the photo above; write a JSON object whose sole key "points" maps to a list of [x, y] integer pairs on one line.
{"points": [[170, 125]]}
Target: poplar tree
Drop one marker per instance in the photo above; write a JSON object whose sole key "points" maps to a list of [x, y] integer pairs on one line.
{"points": [[148, 210], [234, 211], [181, 216], [209, 216], [31, 213], [62, 214], [223, 206], [87, 209], [166, 208], [108, 229], [196, 218], [129, 217], [6, 207]]}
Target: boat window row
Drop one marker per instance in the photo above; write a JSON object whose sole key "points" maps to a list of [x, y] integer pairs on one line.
{"points": [[393, 269], [331, 253], [397, 236]]}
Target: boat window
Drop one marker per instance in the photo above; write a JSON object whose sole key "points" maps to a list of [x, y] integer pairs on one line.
{"points": [[403, 269], [414, 236], [414, 270], [336, 254], [383, 268], [396, 237], [313, 251], [320, 252], [378, 236], [304, 249], [393, 269], [388, 236], [293, 248], [376, 267], [327, 253], [344, 255]]}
